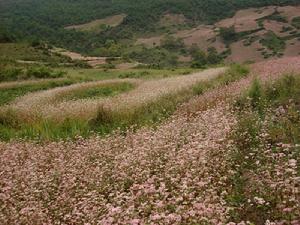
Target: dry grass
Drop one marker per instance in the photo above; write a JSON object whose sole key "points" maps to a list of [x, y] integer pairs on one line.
{"points": [[15, 84]]}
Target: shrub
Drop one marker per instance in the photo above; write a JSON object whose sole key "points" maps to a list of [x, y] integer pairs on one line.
{"points": [[228, 34], [171, 43], [273, 42], [296, 22], [43, 72]]}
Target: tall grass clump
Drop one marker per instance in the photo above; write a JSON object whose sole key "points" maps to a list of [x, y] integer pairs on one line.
{"points": [[265, 163]]}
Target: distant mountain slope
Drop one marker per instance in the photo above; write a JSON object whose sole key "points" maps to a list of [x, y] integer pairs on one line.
{"points": [[47, 19], [251, 34]]}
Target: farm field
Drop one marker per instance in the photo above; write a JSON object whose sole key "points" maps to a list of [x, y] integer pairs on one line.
{"points": [[75, 109], [152, 168]]}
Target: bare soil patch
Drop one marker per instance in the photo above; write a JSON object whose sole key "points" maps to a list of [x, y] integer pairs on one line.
{"points": [[292, 48], [245, 20], [275, 26], [150, 42], [242, 53], [289, 11], [203, 36], [96, 25], [92, 61]]}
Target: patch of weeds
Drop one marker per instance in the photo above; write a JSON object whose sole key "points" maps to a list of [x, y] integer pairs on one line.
{"points": [[267, 116], [100, 91]]}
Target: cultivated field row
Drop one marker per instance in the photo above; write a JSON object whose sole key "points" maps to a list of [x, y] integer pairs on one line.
{"points": [[49, 104]]}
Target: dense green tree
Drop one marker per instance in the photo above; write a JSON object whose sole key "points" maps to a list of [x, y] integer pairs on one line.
{"points": [[213, 57]]}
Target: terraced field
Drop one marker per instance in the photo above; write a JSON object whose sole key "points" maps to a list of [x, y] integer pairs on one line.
{"points": [[32, 112], [197, 167]]}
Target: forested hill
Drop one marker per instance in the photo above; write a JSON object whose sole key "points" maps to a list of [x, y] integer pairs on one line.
{"points": [[46, 19]]}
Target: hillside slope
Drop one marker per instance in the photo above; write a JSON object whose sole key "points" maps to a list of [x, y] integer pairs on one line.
{"points": [[46, 19]]}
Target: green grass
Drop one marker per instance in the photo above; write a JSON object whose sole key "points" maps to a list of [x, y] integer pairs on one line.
{"points": [[106, 121], [100, 74], [104, 90], [13, 73], [9, 94], [273, 42], [23, 51], [258, 114]]}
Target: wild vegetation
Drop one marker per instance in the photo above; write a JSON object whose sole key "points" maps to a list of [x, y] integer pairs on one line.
{"points": [[8, 94], [265, 162]]}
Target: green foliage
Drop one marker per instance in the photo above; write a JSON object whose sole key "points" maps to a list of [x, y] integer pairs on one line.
{"points": [[228, 34], [9, 94], [273, 42], [43, 72], [256, 95], [10, 73], [296, 22], [256, 138], [213, 57], [11, 52], [109, 49], [277, 17], [154, 57], [101, 91], [29, 19], [201, 59], [171, 43]]}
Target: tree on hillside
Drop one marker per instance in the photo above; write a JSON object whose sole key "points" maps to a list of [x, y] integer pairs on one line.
{"points": [[228, 34], [171, 43], [213, 57], [199, 57]]}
